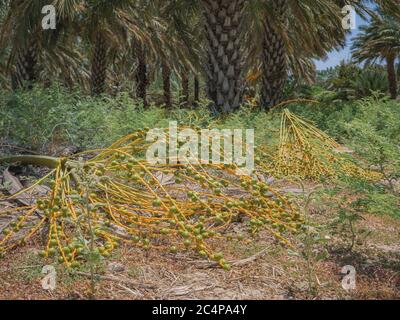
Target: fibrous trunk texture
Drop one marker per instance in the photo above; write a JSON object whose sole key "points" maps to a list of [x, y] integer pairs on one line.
{"points": [[224, 66], [185, 88], [141, 74], [274, 59], [26, 65], [166, 75], [99, 65], [196, 90]]}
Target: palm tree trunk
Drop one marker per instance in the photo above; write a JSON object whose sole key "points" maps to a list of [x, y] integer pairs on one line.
{"points": [[99, 65], [185, 88], [390, 64], [26, 65], [224, 53], [166, 75], [274, 60], [141, 74], [196, 90]]}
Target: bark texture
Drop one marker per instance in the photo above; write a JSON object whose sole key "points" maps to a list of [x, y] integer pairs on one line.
{"points": [[99, 65], [166, 75], [274, 59], [141, 73], [196, 90], [26, 71], [224, 66], [185, 88]]}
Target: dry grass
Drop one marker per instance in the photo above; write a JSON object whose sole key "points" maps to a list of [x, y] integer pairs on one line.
{"points": [[275, 274]]}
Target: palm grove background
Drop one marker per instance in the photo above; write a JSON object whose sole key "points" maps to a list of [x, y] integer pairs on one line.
{"points": [[115, 46], [111, 67]]}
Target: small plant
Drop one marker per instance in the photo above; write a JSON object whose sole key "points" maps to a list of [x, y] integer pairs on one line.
{"points": [[313, 242], [91, 252], [381, 153], [346, 221], [349, 213]]}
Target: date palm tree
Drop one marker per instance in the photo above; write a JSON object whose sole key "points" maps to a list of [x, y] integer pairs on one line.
{"points": [[224, 66], [96, 26], [380, 40], [20, 30], [33, 52], [108, 23], [166, 79], [274, 47], [4, 50], [274, 56], [305, 29], [180, 51], [139, 50]]}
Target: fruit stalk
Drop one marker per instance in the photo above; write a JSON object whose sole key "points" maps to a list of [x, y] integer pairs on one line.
{"points": [[43, 161]]}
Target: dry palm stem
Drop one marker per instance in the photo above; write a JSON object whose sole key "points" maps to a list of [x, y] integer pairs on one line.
{"points": [[118, 197]]}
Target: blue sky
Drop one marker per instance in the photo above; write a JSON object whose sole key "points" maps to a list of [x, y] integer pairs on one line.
{"points": [[335, 57]]}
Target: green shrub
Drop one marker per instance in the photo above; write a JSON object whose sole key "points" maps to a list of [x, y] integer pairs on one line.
{"points": [[42, 117], [370, 80]]}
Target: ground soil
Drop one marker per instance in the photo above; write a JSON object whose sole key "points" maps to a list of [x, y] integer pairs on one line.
{"points": [[277, 273]]}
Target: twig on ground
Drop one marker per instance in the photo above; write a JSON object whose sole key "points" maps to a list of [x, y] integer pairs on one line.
{"points": [[207, 264], [130, 290], [116, 279], [20, 268]]}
